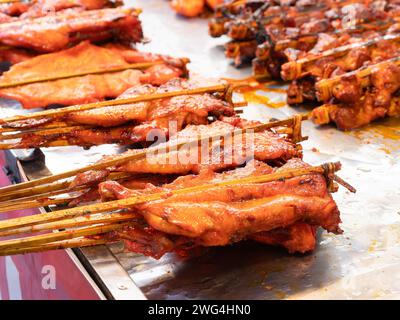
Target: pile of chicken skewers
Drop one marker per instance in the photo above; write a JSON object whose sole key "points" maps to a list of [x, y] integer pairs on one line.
{"points": [[333, 53], [212, 179], [247, 182]]}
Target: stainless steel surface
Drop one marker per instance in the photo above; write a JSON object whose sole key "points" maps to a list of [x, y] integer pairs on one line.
{"points": [[110, 275], [364, 262]]}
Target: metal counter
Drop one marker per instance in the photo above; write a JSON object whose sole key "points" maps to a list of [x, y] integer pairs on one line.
{"points": [[363, 263]]}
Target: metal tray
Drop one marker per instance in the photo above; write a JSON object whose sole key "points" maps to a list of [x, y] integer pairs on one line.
{"points": [[363, 263]]}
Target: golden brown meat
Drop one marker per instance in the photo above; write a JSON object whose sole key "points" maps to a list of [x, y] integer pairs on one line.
{"points": [[65, 28], [355, 106], [299, 237], [143, 239], [89, 88], [39, 8], [229, 153], [223, 215], [129, 124], [193, 8]]}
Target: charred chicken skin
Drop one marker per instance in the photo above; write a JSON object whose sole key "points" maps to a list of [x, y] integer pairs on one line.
{"points": [[225, 215], [89, 88], [65, 28]]}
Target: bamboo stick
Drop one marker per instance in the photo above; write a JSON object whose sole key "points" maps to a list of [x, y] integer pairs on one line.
{"points": [[52, 125], [35, 191], [64, 244], [324, 87], [104, 218], [109, 103], [42, 199], [33, 204], [129, 202], [52, 189], [131, 157], [62, 235], [142, 65], [44, 131]]}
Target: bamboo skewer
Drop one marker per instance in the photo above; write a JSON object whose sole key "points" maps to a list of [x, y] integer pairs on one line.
{"points": [[103, 218], [44, 131], [65, 129], [64, 244], [325, 87], [62, 235], [295, 68], [55, 189], [122, 101], [142, 65], [28, 204], [131, 157], [110, 206]]}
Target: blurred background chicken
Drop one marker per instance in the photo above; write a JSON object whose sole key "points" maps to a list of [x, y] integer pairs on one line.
{"points": [[193, 8]]}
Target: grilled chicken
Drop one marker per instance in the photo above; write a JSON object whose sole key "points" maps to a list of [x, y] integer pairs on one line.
{"points": [[193, 8], [223, 215], [134, 123], [231, 152], [40, 8], [65, 28], [88, 88]]}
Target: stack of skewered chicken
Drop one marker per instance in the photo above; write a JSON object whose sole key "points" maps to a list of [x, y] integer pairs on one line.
{"points": [[79, 53], [198, 175], [215, 181], [339, 53]]}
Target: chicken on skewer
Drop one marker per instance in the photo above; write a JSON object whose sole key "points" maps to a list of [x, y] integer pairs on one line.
{"points": [[87, 88], [217, 155], [39, 8], [223, 144], [63, 29], [193, 8], [247, 194], [236, 195], [268, 31], [333, 63], [131, 123], [359, 103]]}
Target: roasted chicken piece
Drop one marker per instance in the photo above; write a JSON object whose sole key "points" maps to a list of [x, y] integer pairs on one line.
{"points": [[216, 155], [353, 106], [223, 215], [193, 8], [89, 88], [299, 237], [135, 123], [143, 239], [65, 28], [302, 89], [39, 8]]}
